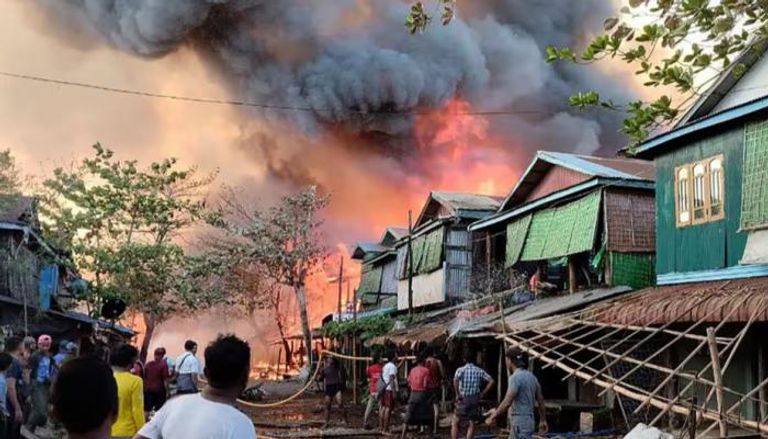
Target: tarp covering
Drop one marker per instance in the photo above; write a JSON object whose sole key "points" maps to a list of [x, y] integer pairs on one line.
{"points": [[427, 253], [564, 230], [636, 270], [754, 193], [516, 233], [756, 250]]}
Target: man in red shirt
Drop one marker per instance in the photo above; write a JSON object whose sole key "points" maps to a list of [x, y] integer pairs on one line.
{"points": [[373, 372], [419, 410], [156, 373], [435, 384]]}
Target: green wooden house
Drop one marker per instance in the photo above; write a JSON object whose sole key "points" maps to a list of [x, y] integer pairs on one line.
{"points": [[574, 221]]}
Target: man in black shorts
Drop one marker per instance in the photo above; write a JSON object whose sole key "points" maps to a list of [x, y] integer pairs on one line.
{"points": [[335, 379]]}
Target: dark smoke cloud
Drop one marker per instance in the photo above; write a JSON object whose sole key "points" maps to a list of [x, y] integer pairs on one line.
{"points": [[334, 56]]}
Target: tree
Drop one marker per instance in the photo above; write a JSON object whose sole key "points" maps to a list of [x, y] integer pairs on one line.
{"points": [[10, 181], [679, 44], [248, 286], [283, 240], [121, 224]]}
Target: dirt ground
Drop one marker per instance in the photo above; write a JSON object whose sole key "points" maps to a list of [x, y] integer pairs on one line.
{"points": [[303, 417]]}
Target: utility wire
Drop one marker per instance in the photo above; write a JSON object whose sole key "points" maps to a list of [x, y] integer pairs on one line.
{"points": [[250, 104]]}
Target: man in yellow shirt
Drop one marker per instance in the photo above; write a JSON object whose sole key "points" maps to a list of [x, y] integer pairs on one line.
{"points": [[130, 393]]}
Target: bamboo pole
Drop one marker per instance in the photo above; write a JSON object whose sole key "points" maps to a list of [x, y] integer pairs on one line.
{"points": [[571, 274], [736, 405], [715, 358], [409, 261]]}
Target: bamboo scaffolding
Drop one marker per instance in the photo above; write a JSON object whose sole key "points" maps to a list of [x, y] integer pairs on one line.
{"points": [[649, 336], [620, 342], [690, 355], [735, 343], [720, 340], [624, 389], [648, 364]]}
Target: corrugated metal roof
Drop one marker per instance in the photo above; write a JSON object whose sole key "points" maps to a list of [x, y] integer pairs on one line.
{"points": [[602, 166], [13, 209], [362, 249], [466, 201], [734, 299], [544, 307], [622, 168]]}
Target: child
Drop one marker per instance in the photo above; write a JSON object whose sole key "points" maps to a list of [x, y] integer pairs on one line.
{"points": [[5, 363]]}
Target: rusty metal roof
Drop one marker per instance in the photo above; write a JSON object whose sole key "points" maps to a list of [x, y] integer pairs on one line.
{"points": [[431, 333], [733, 300]]}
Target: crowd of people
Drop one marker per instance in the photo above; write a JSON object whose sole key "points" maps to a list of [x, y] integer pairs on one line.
{"points": [[162, 399], [426, 383], [91, 399]]}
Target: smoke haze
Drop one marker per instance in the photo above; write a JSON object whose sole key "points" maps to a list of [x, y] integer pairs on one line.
{"points": [[382, 118]]}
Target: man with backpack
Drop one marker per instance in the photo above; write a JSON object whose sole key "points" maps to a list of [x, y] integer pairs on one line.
{"points": [[188, 369]]}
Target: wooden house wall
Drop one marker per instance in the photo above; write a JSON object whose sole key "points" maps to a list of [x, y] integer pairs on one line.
{"points": [[19, 274], [712, 245], [556, 179], [428, 289], [630, 220], [389, 276], [458, 257]]}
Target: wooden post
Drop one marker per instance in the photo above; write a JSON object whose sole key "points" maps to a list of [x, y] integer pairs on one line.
{"points": [[341, 276], [409, 261], [715, 358], [488, 287], [760, 378], [354, 350], [500, 374], [571, 274], [692, 420]]}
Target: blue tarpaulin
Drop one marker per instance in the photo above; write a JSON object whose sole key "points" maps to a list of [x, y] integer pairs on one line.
{"points": [[49, 279]]}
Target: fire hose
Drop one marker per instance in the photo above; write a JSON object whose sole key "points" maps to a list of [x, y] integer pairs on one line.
{"points": [[309, 382]]}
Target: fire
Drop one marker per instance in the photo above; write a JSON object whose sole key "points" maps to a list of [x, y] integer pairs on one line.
{"points": [[465, 155]]}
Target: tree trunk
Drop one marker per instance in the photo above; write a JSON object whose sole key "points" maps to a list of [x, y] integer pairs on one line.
{"points": [[150, 323], [281, 331], [301, 298]]}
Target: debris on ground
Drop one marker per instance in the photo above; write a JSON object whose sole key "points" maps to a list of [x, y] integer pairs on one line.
{"points": [[642, 431]]}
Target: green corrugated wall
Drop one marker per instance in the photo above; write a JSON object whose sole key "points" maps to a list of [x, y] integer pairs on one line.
{"points": [[704, 246]]}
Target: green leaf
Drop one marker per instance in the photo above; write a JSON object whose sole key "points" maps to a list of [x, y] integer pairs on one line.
{"points": [[610, 23]]}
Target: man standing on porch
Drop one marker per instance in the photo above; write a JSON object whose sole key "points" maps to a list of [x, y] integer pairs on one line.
{"points": [[523, 393]]}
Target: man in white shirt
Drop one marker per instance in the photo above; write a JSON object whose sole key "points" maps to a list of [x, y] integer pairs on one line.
{"points": [[188, 369], [387, 399], [210, 414]]}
